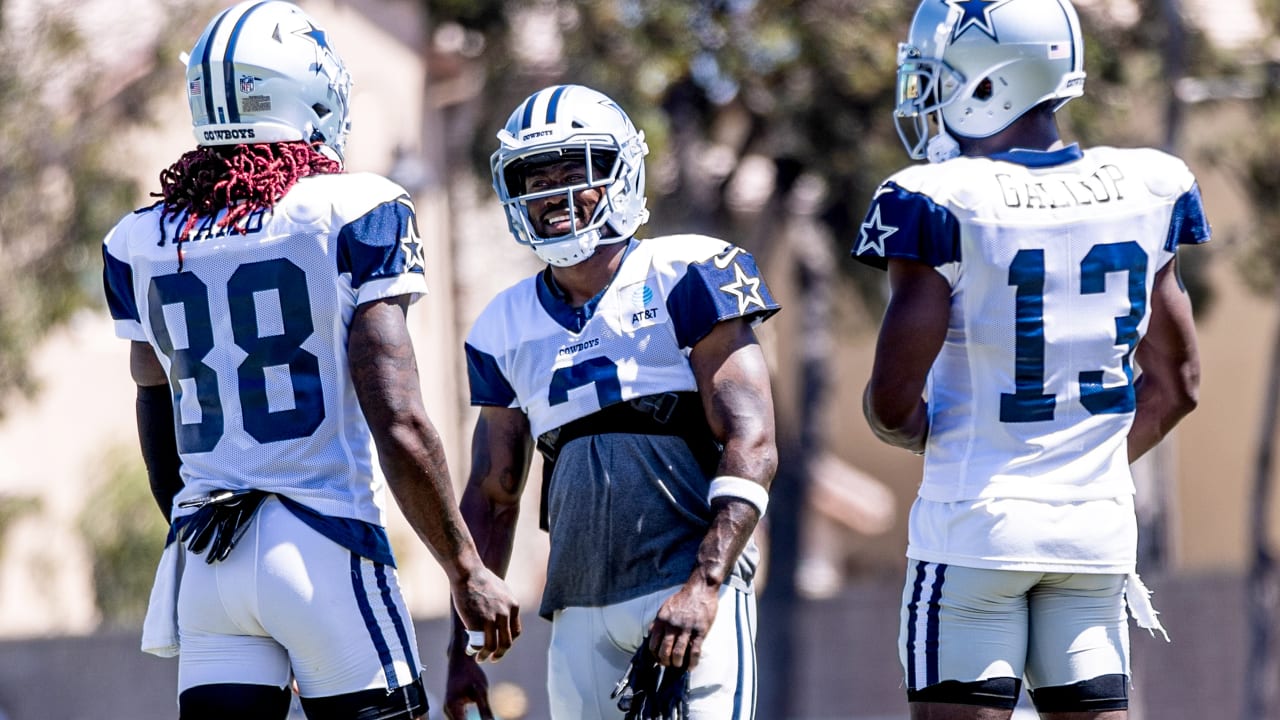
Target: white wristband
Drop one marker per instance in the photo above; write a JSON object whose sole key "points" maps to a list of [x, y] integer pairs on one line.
{"points": [[475, 641], [741, 488]]}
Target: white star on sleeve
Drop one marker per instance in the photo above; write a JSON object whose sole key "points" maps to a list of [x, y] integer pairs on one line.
{"points": [[746, 289], [882, 232], [411, 244]]}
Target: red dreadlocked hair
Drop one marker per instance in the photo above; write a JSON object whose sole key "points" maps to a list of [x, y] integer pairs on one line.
{"points": [[244, 178]]}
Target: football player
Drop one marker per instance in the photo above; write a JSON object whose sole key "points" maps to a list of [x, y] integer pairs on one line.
{"points": [[1037, 341], [634, 366], [265, 296]]}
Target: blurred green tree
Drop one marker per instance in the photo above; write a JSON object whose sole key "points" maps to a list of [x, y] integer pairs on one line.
{"points": [[124, 532], [62, 184]]}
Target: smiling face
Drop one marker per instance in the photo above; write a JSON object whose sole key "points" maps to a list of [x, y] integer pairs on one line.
{"points": [[550, 216]]}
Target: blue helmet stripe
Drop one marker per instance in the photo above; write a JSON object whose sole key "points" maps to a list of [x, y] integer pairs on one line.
{"points": [[527, 119], [228, 66], [206, 65], [555, 101]]}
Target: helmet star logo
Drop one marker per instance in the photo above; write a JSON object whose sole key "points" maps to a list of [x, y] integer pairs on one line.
{"points": [[745, 289], [316, 35], [975, 13], [882, 232]]}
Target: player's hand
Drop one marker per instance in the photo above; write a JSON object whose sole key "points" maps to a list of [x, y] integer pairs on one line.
{"points": [[682, 624], [466, 685], [486, 604]]}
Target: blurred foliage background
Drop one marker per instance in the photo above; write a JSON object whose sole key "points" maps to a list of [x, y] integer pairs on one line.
{"points": [[125, 535], [62, 111]]}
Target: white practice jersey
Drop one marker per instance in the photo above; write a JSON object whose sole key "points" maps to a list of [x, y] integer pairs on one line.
{"points": [[529, 349], [1051, 258], [252, 331]]}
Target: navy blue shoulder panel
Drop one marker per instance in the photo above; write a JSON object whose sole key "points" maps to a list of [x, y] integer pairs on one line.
{"points": [[382, 243], [117, 280], [909, 225], [726, 286], [488, 385], [1188, 226]]}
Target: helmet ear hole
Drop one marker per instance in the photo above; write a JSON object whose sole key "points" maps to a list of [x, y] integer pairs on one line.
{"points": [[321, 109], [985, 90]]}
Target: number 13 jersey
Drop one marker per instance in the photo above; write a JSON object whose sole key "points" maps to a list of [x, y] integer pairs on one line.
{"points": [[1051, 258], [252, 331]]}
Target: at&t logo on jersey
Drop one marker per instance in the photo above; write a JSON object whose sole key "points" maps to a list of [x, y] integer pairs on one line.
{"points": [[645, 295], [638, 307]]}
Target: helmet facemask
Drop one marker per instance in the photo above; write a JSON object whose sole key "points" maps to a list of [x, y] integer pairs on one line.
{"points": [[601, 164], [577, 124], [925, 86]]}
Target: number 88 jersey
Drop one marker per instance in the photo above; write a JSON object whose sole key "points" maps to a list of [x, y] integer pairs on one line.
{"points": [[252, 330], [1051, 258]]}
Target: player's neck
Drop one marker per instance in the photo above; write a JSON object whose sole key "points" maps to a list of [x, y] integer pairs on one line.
{"points": [[583, 281], [1033, 131]]}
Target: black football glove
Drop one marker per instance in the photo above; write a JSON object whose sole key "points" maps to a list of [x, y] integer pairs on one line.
{"points": [[219, 522], [649, 691]]}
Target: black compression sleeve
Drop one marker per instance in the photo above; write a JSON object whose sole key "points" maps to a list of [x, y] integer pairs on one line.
{"points": [[159, 444]]}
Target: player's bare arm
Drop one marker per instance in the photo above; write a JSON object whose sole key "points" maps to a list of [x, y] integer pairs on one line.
{"points": [[155, 426], [385, 373], [491, 500], [500, 452], [734, 382], [1168, 387], [911, 335]]}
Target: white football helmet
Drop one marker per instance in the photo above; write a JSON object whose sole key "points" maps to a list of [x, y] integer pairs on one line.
{"points": [[265, 72], [980, 65], [566, 122]]}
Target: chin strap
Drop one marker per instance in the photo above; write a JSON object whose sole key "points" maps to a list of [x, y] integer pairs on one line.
{"points": [[942, 147], [569, 251]]}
